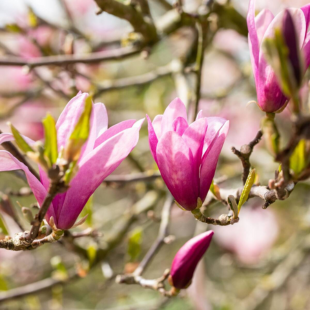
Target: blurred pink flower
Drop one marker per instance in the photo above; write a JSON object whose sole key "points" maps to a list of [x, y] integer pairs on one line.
{"points": [[80, 7], [27, 49], [251, 237], [186, 155], [103, 152], [269, 95], [14, 79]]}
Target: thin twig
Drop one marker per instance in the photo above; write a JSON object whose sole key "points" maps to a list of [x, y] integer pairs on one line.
{"points": [[245, 153], [62, 60], [128, 178], [162, 233], [199, 64], [34, 288]]}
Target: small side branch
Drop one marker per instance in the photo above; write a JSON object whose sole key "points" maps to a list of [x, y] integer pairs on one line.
{"points": [[245, 153], [162, 234]]}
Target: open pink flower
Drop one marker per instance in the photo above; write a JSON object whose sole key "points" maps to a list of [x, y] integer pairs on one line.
{"points": [[103, 152], [186, 155], [269, 95], [187, 258]]}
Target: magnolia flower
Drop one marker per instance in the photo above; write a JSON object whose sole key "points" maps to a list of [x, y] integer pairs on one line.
{"points": [[187, 258], [269, 95], [186, 155], [103, 152]]}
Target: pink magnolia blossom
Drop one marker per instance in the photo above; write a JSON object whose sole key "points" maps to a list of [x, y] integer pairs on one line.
{"points": [[103, 152], [186, 155], [187, 258], [269, 95]]}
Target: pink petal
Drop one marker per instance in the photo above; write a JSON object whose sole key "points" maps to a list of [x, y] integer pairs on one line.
{"points": [[98, 164], [306, 10], [8, 163], [69, 117], [194, 137], [253, 38], [157, 125], [299, 22], [175, 162], [112, 131], [269, 94], [214, 126], [179, 125], [174, 110], [210, 159], [5, 137], [8, 137], [262, 21], [306, 50], [153, 141], [99, 124], [199, 115]]}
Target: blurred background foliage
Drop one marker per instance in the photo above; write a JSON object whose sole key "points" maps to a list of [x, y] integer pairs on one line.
{"points": [[260, 263]]}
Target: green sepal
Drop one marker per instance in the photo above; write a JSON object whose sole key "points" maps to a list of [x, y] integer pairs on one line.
{"points": [[298, 161], [50, 145], [80, 133], [3, 228], [246, 189], [20, 141], [70, 172]]}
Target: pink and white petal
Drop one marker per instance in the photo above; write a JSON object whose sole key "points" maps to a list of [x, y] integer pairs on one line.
{"points": [[179, 125], [299, 22], [306, 11], [210, 159], [138, 124], [194, 137], [157, 125], [175, 162], [253, 38], [306, 50], [8, 163], [199, 115], [269, 94], [99, 124], [174, 110], [153, 140], [7, 137], [44, 178], [262, 21], [98, 164], [112, 131], [214, 126], [69, 117]]}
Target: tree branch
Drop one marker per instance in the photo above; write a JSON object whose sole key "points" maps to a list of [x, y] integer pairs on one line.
{"points": [[162, 234], [62, 60], [245, 153], [140, 23]]}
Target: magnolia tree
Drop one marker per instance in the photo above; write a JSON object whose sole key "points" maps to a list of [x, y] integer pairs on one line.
{"points": [[63, 171]]}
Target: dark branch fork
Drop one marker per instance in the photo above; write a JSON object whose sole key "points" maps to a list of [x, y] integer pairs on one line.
{"points": [[245, 153]]}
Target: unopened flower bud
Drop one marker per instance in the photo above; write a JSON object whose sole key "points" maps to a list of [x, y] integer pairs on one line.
{"points": [[187, 258]]}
